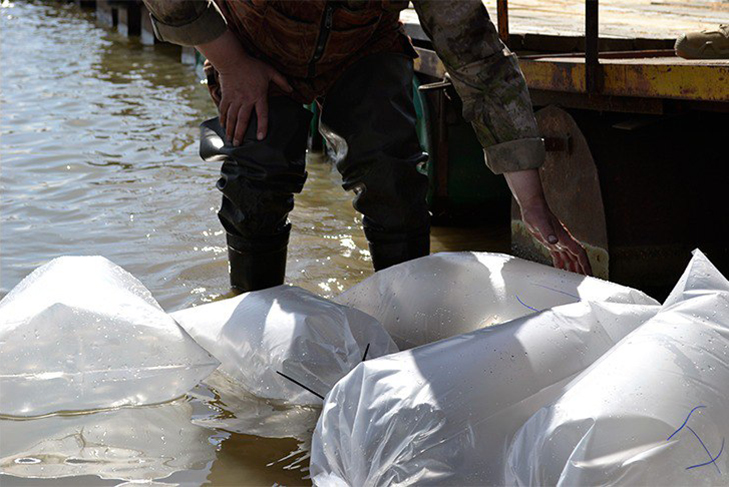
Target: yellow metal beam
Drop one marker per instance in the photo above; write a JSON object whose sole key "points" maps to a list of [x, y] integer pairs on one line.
{"points": [[636, 77], [646, 77]]}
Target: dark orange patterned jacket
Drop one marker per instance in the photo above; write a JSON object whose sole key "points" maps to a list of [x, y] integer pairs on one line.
{"points": [[312, 41]]}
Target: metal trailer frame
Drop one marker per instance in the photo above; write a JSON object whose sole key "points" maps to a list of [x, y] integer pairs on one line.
{"points": [[634, 153], [592, 51]]}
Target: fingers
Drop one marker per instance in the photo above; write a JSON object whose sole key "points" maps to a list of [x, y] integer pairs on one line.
{"points": [[580, 262], [576, 252], [566, 252], [223, 111], [235, 119], [573, 265], [547, 230], [557, 259], [564, 260], [280, 80], [586, 266], [231, 117], [546, 234], [241, 125], [262, 114]]}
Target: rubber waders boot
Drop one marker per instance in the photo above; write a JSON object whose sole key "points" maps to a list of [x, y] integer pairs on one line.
{"points": [[257, 263], [389, 253]]}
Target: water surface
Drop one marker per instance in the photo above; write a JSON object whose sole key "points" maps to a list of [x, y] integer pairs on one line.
{"points": [[99, 157]]}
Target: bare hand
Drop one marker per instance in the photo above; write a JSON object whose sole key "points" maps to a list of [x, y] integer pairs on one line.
{"points": [[244, 83], [566, 252], [244, 88]]}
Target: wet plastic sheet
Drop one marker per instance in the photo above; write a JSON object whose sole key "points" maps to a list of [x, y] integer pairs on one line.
{"points": [[81, 333], [141, 443], [258, 335], [445, 413], [653, 411], [254, 416], [447, 294]]}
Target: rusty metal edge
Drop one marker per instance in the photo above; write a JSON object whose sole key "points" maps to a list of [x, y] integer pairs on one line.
{"points": [[699, 82]]}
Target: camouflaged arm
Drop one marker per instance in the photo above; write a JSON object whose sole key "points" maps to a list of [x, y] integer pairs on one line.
{"points": [[186, 22], [487, 77]]}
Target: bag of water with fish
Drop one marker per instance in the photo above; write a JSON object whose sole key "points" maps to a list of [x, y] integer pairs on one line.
{"points": [[653, 411], [81, 333], [285, 343]]}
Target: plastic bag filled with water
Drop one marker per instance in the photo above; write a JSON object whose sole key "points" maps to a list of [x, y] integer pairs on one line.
{"points": [[653, 411], [445, 413], [136, 444], [269, 340], [447, 294], [81, 333]]}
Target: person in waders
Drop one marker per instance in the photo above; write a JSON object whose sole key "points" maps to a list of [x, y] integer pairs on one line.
{"points": [[266, 59]]}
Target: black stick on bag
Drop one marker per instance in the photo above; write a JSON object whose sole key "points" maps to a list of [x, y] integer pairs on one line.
{"points": [[300, 384]]}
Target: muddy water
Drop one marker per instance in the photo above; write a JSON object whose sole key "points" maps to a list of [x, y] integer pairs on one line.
{"points": [[99, 156]]}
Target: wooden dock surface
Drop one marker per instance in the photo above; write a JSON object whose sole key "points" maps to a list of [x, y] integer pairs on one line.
{"points": [[623, 19]]}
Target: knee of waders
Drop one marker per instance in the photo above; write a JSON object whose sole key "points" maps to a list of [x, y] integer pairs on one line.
{"points": [[275, 163], [392, 196]]}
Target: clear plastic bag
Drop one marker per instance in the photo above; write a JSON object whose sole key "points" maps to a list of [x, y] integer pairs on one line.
{"points": [[445, 413], [141, 443], [268, 340], [448, 294], [653, 411], [81, 333]]}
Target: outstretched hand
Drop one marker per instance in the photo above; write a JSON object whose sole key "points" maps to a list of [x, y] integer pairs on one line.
{"points": [[244, 85], [566, 252]]}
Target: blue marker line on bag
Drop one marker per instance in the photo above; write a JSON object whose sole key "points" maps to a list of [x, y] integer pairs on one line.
{"points": [[526, 305], [712, 458]]}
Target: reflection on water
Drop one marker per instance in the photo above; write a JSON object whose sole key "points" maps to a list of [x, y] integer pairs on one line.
{"points": [[180, 441], [99, 156], [134, 444]]}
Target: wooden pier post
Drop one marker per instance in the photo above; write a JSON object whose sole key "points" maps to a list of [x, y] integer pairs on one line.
{"points": [[129, 19], [106, 14], [146, 30], [85, 3], [188, 56]]}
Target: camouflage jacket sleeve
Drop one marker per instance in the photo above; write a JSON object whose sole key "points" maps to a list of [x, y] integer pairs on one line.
{"points": [[487, 77], [186, 22]]}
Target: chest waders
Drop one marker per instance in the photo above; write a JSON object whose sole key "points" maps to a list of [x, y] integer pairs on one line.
{"points": [[368, 119]]}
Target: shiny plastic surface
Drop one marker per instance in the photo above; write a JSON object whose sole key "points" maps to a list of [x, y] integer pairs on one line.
{"points": [[260, 335], [141, 443], [445, 413], [81, 333], [653, 411], [448, 294]]}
